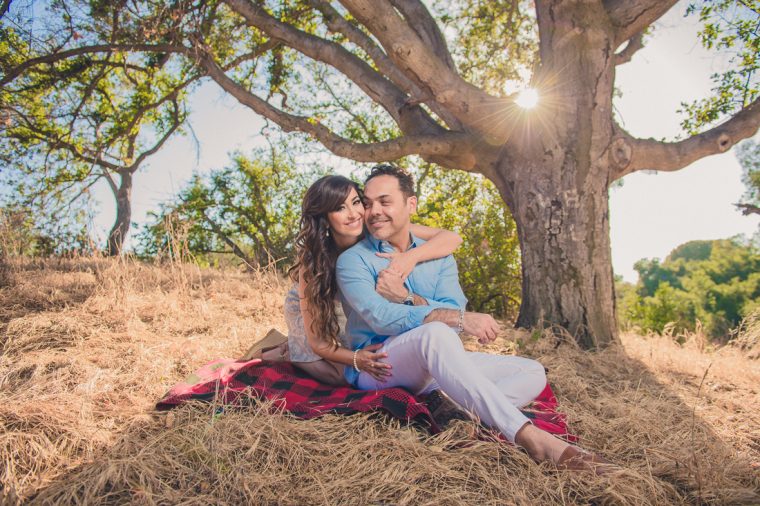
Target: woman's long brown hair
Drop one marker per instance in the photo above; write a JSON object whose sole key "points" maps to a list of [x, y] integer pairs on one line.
{"points": [[317, 253]]}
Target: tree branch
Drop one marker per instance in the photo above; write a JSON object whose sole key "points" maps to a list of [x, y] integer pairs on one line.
{"points": [[57, 142], [630, 154], [4, 8], [338, 24], [347, 109], [176, 122], [379, 89], [748, 209], [634, 44], [419, 18], [471, 105], [86, 94], [16, 71], [224, 237], [440, 144], [630, 17], [84, 189], [109, 177]]}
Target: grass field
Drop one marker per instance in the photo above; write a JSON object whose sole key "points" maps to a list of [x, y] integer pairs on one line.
{"points": [[89, 346]]}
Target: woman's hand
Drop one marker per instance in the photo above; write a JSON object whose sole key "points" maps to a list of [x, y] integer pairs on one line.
{"points": [[368, 360], [401, 263], [390, 285]]}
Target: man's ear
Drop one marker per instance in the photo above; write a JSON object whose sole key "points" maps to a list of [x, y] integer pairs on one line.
{"points": [[412, 203]]}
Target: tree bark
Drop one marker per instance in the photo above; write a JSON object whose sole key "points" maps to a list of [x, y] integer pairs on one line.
{"points": [[567, 277], [120, 227], [555, 175]]}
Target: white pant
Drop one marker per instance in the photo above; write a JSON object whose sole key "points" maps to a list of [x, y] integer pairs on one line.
{"points": [[491, 386]]}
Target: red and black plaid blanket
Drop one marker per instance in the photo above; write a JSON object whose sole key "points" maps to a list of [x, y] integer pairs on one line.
{"points": [[237, 382]]}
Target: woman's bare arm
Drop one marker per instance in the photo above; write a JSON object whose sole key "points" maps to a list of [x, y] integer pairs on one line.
{"points": [[366, 359], [439, 243]]}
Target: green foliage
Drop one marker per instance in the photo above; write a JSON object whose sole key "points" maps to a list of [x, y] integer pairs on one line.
{"points": [[67, 124], [714, 282], [692, 250], [250, 209], [24, 234], [495, 41], [732, 28], [489, 257]]}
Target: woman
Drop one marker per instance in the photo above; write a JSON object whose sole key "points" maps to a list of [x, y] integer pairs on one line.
{"points": [[332, 221]]}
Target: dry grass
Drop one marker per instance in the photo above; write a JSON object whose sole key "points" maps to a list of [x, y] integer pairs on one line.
{"points": [[89, 345]]}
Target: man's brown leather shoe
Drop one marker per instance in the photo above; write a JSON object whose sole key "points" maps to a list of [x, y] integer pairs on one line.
{"points": [[444, 410]]}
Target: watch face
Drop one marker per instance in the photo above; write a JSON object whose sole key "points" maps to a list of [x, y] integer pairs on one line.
{"points": [[409, 302]]}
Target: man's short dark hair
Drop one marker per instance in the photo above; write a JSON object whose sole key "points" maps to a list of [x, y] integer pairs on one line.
{"points": [[405, 180]]}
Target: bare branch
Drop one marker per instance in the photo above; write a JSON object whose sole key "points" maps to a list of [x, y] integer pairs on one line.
{"points": [[634, 44], [338, 24], [629, 17], [748, 209], [4, 7], [109, 177], [630, 154], [176, 122], [439, 144], [471, 105], [377, 87], [224, 237], [78, 51], [419, 18], [84, 189]]}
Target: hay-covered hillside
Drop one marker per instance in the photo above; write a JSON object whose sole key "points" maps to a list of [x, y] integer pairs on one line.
{"points": [[89, 345]]}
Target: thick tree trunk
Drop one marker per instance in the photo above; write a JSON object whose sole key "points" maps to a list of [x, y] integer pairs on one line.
{"points": [[120, 227], [566, 259], [555, 175]]}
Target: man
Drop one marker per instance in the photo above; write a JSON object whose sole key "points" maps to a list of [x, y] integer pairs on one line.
{"points": [[420, 332]]}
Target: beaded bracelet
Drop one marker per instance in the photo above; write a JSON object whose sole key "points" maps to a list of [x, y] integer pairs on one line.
{"points": [[460, 323], [356, 367]]}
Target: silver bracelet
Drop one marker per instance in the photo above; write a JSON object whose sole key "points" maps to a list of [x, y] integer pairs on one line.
{"points": [[356, 367], [460, 323]]}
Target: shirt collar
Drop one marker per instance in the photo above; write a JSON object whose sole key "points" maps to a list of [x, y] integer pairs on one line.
{"points": [[385, 247]]}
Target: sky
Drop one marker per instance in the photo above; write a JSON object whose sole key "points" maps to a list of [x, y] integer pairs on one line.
{"points": [[650, 214]]}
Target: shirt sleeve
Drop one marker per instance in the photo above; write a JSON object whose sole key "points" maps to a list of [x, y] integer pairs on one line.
{"points": [[357, 283], [448, 291]]}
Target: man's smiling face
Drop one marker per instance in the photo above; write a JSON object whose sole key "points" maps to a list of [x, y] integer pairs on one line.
{"points": [[387, 210]]}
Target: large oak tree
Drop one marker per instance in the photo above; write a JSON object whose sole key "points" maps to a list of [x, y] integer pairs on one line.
{"points": [[440, 100]]}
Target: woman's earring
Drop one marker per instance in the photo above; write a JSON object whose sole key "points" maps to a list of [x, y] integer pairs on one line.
{"points": [[327, 232]]}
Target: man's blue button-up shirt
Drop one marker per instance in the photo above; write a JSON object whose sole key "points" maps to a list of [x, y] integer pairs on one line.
{"points": [[370, 318]]}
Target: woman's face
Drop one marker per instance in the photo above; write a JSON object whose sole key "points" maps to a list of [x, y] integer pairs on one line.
{"points": [[347, 222]]}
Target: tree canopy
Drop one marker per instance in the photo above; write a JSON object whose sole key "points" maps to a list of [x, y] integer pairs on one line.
{"points": [[70, 123]]}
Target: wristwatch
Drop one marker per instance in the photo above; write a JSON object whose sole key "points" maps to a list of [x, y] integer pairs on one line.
{"points": [[409, 301]]}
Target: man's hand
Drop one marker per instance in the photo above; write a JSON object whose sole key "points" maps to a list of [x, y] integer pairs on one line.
{"points": [[390, 284], [482, 326]]}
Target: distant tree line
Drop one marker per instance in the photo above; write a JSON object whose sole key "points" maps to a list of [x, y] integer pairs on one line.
{"points": [[714, 284]]}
